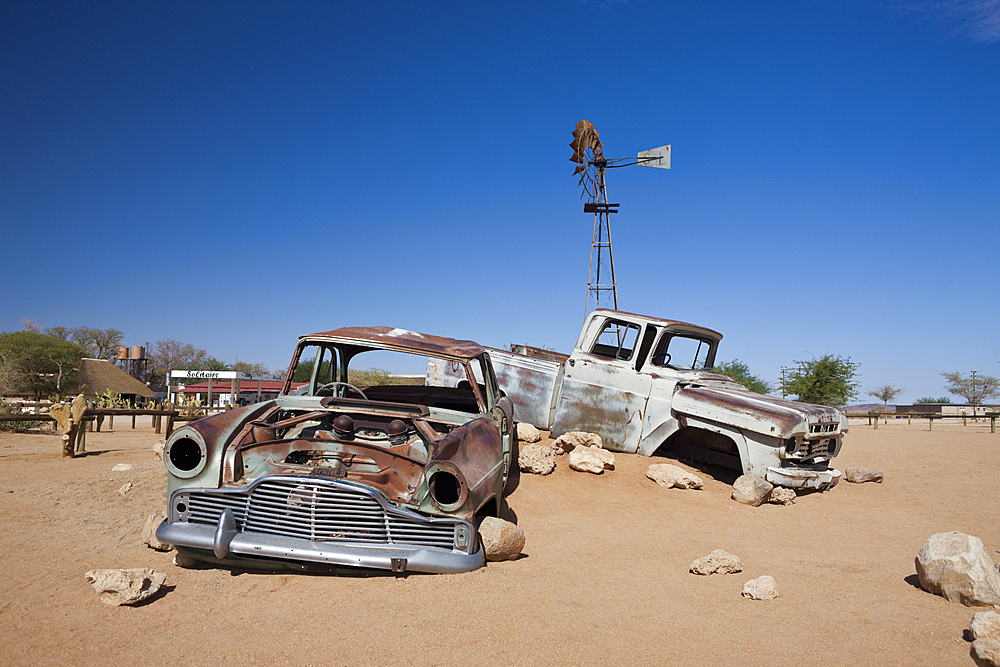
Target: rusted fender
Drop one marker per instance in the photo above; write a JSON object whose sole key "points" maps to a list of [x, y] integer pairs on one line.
{"points": [[775, 417]]}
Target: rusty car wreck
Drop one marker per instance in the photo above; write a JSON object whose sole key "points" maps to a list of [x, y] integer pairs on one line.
{"points": [[645, 385], [332, 475]]}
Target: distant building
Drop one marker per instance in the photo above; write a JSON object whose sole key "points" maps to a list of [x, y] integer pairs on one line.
{"points": [[957, 409], [236, 392]]}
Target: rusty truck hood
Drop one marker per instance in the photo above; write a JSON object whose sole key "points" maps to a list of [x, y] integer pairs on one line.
{"points": [[744, 409]]}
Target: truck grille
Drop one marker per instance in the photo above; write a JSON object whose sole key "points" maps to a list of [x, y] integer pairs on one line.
{"points": [[818, 450], [318, 511]]}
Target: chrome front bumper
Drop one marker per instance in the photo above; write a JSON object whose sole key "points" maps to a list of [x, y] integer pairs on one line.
{"points": [[224, 539], [806, 477]]}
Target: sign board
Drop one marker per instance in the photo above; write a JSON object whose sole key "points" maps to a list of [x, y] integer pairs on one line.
{"points": [[224, 375]]}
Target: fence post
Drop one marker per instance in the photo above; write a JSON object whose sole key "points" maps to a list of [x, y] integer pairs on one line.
{"points": [[930, 423]]}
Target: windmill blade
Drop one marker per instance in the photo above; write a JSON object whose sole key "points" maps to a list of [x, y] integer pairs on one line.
{"points": [[656, 157]]}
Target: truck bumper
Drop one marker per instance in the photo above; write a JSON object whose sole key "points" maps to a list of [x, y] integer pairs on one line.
{"points": [[803, 478]]}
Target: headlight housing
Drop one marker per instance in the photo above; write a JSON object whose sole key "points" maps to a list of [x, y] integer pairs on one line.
{"points": [[185, 454]]}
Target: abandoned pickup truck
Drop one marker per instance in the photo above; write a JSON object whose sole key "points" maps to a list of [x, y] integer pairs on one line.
{"points": [[644, 385], [333, 475]]}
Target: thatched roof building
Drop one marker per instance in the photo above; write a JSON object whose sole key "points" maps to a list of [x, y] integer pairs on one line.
{"points": [[99, 375]]}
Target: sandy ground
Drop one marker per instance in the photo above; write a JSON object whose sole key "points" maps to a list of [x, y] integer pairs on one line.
{"points": [[604, 578]]}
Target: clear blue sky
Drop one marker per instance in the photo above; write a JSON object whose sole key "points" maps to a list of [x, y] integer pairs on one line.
{"points": [[235, 174]]}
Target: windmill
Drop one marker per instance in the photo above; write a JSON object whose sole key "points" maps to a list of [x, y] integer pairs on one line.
{"points": [[588, 153]]}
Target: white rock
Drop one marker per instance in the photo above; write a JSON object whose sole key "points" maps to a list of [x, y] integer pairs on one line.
{"points": [[122, 467], [751, 490], [583, 459], [957, 567], [502, 540], [668, 476], [717, 562], [118, 587], [126, 487], [761, 588], [986, 652], [567, 442], [149, 532], [781, 496], [537, 459], [188, 563], [985, 625], [158, 448], [858, 475], [606, 457], [527, 433]]}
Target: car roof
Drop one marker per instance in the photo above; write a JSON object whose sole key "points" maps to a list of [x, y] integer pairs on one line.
{"points": [[401, 339]]}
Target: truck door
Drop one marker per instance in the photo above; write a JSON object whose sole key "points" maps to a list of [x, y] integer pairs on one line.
{"points": [[602, 392]]}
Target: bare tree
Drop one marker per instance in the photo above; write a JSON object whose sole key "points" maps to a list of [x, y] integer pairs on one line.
{"points": [[100, 343], [974, 389], [168, 354], [886, 393]]}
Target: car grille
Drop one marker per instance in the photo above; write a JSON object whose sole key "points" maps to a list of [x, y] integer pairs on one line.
{"points": [[318, 511]]}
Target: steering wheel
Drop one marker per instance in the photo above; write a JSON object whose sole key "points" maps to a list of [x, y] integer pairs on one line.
{"points": [[331, 386]]}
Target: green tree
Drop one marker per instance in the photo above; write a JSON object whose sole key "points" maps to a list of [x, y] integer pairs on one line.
{"points": [[829, 380], [740, 372], [886, 393], [974, 390], [932, 400], [247, 367], [369, 377], [42, 365]]}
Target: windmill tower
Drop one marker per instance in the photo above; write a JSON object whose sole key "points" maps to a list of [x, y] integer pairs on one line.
{"points": [[588, 153]]}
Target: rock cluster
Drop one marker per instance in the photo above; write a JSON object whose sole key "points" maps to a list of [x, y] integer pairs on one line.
{"points": [[957, 567], [149, 532], [120, 587], [502, 540], [761, 588], [751, 490], [669, 476], [717, 562], [537, 459], [527, 433], [985, 633], [584, 458], [858, 475], [781, 496], [567, 442]]}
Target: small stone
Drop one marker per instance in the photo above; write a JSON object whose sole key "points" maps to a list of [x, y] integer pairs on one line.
{"points": [[751, 490], [527, 433], [986, 652], [120, 587], [717, 562], [583, 459], [669, 476], [761, 588], [122, 467], [858, 475], [567, 442], [985, 625], [502, 540], [126, 487], [537, 459], [149, 532], [957, 567], [158, 448], [189, 563], [781, 496]]}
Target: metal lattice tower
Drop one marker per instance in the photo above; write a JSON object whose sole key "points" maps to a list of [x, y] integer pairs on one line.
{"points": [[600, 245], [588, 153]]}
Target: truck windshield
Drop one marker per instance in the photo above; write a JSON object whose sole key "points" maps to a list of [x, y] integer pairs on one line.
{"points": [[616, 340], [682, 352]]}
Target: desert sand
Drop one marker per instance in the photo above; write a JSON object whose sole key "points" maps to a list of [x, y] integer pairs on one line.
{"points": [[603, 579]]}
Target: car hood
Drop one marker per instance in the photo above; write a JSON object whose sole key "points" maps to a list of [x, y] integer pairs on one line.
{"points": [[744, 409]]}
